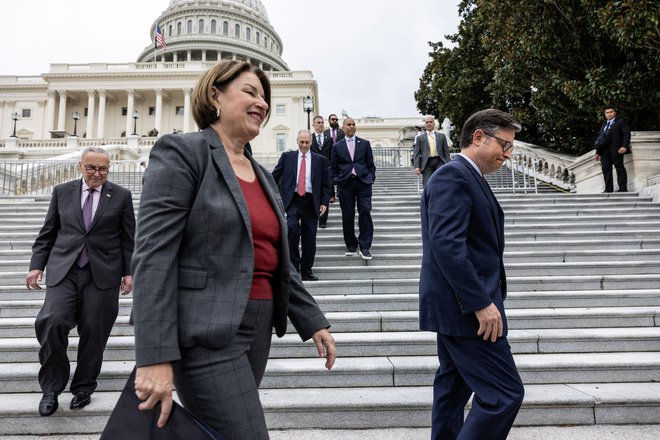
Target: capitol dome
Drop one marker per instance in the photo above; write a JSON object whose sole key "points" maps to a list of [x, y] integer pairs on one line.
{"points": [[212, 30]]}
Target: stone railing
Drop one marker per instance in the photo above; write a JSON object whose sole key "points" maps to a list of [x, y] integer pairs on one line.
{"points": [[545, 165]]}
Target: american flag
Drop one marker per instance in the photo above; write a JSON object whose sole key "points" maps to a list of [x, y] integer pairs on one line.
{"points": [[160, 39]]}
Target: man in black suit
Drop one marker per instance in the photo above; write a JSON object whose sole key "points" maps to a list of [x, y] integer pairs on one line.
{"points": [[353, 171], [304, 183], [322, 144], [613, 142], [336, 134], [86, 242]]}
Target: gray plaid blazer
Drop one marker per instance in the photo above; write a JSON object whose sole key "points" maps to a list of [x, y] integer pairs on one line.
{"points": [[194, 258]]}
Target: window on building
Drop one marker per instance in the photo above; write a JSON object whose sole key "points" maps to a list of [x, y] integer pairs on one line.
{"points": [[280, 141], [26, 113], [213, 27], [124, 111], [265, 41], [152, 111], [178, 28], [179, 110], [189, 27], [225, 28], [258, 38], [170, 31], [85, 112], [201, 26], [237, 30], [248, 34], [280, 109]]}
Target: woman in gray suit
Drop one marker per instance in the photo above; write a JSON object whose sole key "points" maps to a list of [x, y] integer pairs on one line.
{"points": [[211, 266]]}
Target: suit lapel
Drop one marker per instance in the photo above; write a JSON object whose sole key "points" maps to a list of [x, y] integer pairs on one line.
{"points": [[76, 194], [219, 157], [496, 210], [104, 200], [270, 193]]}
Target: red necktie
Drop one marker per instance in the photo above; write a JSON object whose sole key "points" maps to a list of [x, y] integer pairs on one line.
{"points": [[301, 176]]}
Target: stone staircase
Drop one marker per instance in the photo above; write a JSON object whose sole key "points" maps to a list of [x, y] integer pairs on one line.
{"points": [[583, 307]]}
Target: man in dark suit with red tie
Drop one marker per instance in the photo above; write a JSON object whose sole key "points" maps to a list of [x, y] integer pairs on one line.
{"points": [[322, 144], [354, 172], [304, 183], [462, 286], [86, 243]]}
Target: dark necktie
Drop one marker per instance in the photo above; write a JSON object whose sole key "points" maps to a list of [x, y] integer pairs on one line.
{"points": [[87, 211], [318, 141]]}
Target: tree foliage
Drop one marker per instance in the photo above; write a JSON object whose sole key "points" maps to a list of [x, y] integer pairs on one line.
{"points": [[553, 64]]}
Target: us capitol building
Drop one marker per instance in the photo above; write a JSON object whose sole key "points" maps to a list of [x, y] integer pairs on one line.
{"points": [[132, 103]]}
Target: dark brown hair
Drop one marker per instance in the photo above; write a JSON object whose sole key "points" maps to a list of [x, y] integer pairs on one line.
{"points": [[220, 76]]}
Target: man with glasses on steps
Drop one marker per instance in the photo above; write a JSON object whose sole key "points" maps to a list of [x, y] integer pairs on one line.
{"points": [[86, 243]]}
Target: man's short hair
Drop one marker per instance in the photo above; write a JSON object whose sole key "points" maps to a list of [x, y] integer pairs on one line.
{"points": [[490, 121], [94, 150]]}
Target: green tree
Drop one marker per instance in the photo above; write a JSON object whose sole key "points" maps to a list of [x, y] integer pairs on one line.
{"points": [[554, 64]]}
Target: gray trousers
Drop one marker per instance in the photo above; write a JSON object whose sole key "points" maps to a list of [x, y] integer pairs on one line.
{"points": [[221, 385]]}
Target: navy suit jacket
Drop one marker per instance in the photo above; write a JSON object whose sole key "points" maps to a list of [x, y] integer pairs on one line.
{"points": [[463, 244], [109, 240], [619, 136], [341, 165], [285, 174]]}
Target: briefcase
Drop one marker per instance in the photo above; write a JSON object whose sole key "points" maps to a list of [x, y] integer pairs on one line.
{"points": [[127, 422]]}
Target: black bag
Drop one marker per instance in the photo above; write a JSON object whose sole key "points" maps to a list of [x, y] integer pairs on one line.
{"points": [[602, 142], [127, 422]]}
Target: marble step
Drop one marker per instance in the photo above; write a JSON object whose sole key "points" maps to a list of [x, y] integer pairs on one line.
{"points": [[393, 371], [367, 407], [408, 321], [381, 343]]}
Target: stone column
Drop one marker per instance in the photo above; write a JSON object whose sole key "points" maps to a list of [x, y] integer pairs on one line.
{"points": [[4, 115], [50, 113], [203, 55], [159, 111], [130, 106], [186, 110], [100, 132], [188, 55], [91, 98], [61, 116], [645, 147], [174, 57]]}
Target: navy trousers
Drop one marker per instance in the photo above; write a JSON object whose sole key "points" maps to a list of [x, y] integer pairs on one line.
{"points": [[302, 224], [353, 192], [487, 369]]}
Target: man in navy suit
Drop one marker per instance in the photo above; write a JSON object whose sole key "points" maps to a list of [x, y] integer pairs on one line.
{"points": [[354, 172], [86, 243], [463, 286], [615, 143], [322, 144], [304, 183]]}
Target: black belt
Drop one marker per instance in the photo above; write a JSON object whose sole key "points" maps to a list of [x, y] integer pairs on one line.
{"points": [[302, 197]]}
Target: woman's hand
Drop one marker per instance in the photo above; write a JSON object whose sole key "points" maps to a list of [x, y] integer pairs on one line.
{"points": [[153, 384], [325, 345]]}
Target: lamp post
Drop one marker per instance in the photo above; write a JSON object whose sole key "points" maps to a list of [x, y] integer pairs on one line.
{"points": [[75, 117], [15, 117], [136, 116], [308, 106]]}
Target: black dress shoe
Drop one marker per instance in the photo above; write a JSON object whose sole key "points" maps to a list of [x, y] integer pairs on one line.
{"points": [[48, 404], [309, 276], [322, 225], [80, 400]]}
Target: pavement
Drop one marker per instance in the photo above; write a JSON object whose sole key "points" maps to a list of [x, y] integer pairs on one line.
{"points": [[590, 432]]}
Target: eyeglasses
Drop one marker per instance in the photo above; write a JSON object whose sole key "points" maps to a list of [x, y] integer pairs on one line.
{"points": [[333, 119], [91, 170], [506, 145]]}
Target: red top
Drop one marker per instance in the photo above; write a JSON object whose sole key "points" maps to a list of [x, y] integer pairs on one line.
{"points": [[265, 239]]}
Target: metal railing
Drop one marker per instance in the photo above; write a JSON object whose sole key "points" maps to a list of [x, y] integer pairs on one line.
{"points": [[392, 157], [38, 177]]}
